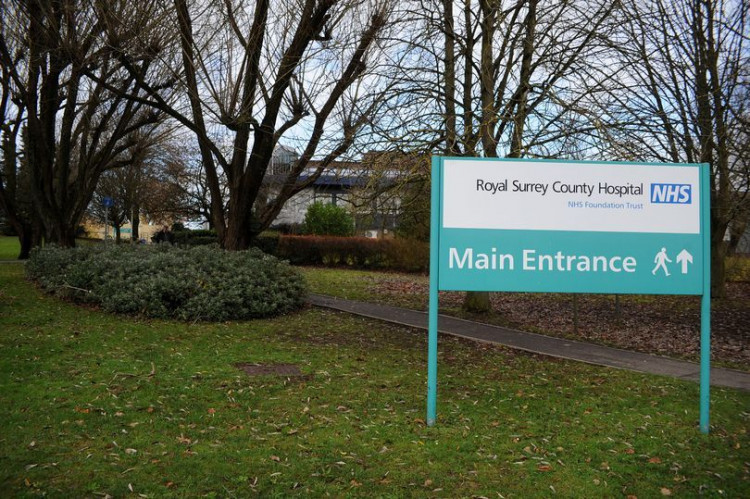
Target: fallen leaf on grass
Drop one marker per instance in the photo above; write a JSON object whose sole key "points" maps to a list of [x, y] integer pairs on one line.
{"points": [[544, 467], [654, 460], [665, 491]]}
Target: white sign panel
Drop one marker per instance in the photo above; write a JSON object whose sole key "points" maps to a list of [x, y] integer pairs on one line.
{"points": [[565, 196]]}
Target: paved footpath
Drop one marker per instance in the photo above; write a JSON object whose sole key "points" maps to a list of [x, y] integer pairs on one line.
{"points": [[537, 343]]}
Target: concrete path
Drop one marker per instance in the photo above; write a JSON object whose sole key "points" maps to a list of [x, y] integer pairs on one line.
{"points": [[537, 343]]}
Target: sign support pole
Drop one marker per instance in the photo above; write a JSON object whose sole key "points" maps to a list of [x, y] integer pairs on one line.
{"points": [[705, 376], [432, 325]]}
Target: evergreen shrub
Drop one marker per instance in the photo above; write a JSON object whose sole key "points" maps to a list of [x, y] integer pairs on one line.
{"points": [[324, 219], [162, 281]]}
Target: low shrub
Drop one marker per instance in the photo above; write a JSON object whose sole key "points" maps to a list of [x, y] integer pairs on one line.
{"points": [[358, 252], [161, 281]]}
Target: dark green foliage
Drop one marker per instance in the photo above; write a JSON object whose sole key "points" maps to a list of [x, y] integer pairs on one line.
{"points": [[163, 236], [189, 283], [324, 219], [359, 252], [267, 242], [201, 237]]}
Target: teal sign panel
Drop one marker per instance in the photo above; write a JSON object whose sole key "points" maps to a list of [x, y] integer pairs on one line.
{"points": [[571, 227], [570, 262]]}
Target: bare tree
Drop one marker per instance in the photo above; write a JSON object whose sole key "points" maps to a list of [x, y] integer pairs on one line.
{"points": [[493, 78], [151, 184], [252, 73], [56, 54], [683, 98], [14, 176]]}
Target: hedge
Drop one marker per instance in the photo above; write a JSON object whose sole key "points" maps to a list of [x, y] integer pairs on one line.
{"points": [[357, 252]]}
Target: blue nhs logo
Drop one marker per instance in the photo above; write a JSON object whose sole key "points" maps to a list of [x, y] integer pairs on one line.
{"points": [[671, 193]]}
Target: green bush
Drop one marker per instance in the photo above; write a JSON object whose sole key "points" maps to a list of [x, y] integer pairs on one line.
{"points": [[162, 281], [324, 219], [359, 252]]}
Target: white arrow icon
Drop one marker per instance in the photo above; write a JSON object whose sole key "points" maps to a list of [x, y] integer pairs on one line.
{"points": [[684, 258]]}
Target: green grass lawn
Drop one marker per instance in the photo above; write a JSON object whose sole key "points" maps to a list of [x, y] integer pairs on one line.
{"points": [[93, 404], [9, 248]]}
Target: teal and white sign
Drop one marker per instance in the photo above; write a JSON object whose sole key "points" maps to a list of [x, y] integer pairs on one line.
{"points": [[571, 227]]}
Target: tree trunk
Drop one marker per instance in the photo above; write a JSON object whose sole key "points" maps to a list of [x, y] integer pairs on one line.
{"points": [[56, 231], [29, 236], [135, 222], [477, 302], [26, 238], [718, 258], [237, 235], [450, 79]]}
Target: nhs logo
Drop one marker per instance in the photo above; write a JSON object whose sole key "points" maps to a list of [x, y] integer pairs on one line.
{"points": [[672, 193]]}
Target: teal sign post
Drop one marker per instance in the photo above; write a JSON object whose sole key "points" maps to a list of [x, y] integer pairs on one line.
{"points": [[570, 227]]}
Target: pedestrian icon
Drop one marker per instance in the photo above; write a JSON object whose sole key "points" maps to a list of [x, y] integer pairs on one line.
{"points": [[661, 259]]}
